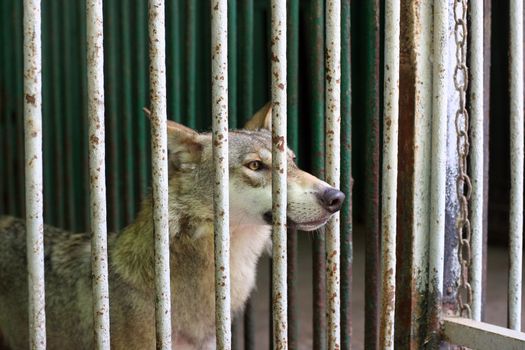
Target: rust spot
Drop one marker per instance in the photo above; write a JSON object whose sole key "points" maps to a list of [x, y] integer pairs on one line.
{"points": [[279, 141], [31, 99], [281, 86]]}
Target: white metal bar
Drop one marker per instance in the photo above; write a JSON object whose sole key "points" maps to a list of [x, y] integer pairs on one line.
{"points": [[279, 174], [481, 336], [438, 162], [97, 172], [389, 192], [219, 59], [333, 166], [422, 157], [157, 55], [476, 152], [516, 163], [33, 172]]}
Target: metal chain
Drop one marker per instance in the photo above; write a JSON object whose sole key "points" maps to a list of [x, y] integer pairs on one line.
{"points": [[463, 184]]}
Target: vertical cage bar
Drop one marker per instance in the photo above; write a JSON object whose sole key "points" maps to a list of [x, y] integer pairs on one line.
{"points": [[438, 166], [346, 179], [157, 56], [476, 152], [516, 170], [33, 170], [219, 66], [97, 172], [420, 182], [333, 166], [389, 173], [279, 174]]}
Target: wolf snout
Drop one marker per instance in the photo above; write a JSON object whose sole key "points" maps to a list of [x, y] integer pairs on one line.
{"points": [[331, 199]]}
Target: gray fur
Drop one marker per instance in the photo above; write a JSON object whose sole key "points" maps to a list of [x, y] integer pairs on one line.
{"points": [[67, 255]]}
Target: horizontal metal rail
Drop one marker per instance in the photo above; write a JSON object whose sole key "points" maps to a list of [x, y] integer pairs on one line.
{"points": [[480, 335]]}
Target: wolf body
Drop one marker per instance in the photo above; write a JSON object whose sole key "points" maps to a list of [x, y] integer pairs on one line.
{"points": [[69, 312]]}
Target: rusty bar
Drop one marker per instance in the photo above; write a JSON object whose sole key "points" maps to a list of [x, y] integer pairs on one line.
{"points": [[279, 173], [476, 152], [389, 173], [415, 115], [33, 172], [97, 172], [438, 166], [346, 178], [516, 168], [333, 166], [159, 157], [219, 61]]}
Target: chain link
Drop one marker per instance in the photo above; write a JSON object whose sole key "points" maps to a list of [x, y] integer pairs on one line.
{"points": [[463, 184]]}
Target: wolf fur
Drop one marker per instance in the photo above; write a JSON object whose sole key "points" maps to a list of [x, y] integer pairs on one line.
{"points": [[69, 313]]}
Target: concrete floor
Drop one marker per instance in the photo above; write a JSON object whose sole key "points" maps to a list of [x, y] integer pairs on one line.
{"points": [[496, 304]]}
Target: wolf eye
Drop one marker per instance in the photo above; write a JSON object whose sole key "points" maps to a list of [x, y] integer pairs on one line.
{"points": [[254, 165]]}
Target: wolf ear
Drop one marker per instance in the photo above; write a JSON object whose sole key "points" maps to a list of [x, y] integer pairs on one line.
{"points": [[262, 119], [184, 146]]}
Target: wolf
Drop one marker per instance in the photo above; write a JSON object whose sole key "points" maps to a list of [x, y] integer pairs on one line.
{"points": [[69, 313]]}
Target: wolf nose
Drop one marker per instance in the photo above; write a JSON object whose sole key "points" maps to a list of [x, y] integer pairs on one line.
{"points": [[332, 199]]}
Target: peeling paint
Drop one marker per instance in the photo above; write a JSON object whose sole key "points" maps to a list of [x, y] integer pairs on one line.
{"points": [[157, 55]]}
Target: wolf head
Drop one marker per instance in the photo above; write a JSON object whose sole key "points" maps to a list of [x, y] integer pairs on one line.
{"points": [[311, 201]]}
